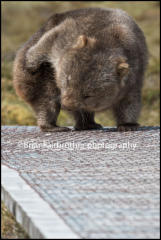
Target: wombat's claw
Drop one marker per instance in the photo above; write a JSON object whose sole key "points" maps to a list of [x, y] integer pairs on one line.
{"points": [[55, 129], [91, 126], [128, 127], [95, 126]]}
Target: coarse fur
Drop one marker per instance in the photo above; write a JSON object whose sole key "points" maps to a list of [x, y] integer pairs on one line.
{"points": [[84, 61]]}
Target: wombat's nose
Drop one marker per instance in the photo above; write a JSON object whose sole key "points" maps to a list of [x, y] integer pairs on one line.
{"points": [[68, 100], [67, 103]]}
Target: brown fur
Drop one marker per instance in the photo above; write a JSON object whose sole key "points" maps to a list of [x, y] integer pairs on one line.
{"points": [[84, 61]]}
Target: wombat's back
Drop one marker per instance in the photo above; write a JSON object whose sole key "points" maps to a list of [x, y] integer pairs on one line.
{"points": [[91, 21]]}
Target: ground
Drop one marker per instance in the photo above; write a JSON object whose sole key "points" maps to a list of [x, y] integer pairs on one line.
{"points": [[21, 19]]}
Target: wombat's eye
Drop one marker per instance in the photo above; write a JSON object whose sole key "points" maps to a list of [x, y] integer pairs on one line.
{"points": [[85, 97]]}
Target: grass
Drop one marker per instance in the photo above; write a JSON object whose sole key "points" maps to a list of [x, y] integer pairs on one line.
{"points": [[10, 229], [20, 19]]}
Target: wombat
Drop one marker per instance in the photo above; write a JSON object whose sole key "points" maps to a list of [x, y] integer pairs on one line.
{"points": [[84, 61]]}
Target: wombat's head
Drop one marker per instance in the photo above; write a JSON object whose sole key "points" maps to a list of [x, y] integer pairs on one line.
{"points": [[90, 77]]}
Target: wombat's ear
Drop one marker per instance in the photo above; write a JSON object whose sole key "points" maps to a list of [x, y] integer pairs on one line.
{"points": [[122, 71], [84, 41]]}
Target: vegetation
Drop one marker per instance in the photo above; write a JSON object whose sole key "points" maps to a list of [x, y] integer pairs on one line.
{"points": [[20, 19], [9, 227]]}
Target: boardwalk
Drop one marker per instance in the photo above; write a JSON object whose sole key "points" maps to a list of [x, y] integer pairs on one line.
{"points": [[88, 184]]}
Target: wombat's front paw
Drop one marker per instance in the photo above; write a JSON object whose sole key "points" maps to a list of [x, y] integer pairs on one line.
{"points": [[89, 126], [128, 127], [54, 129]]}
